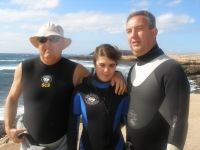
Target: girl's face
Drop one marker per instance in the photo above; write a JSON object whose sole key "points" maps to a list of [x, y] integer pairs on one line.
{"points": [[105, 68]]}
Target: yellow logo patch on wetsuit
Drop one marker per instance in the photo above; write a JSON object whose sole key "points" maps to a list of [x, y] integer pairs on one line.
{"points": [[46, 81]]}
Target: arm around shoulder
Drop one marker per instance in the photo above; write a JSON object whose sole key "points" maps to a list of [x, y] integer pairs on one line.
{"points": [[119, 82], [79, 73]]}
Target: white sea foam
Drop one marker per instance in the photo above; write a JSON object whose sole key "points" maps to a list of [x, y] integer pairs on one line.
{"points": [[193, 85], [20, 110], [10, 60], [85, 63], [7, 67]]}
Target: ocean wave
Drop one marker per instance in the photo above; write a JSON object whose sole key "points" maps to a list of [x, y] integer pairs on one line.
{"points": [[20, 110], [11, 60], [85, 61], [7, 67], [193, 85]]}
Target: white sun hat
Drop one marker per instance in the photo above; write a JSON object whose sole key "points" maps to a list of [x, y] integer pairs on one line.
{"points": [[49, 30]]}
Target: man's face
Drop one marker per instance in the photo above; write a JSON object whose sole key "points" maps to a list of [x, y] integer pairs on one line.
{"points": [[140, 37], [50, 47]]}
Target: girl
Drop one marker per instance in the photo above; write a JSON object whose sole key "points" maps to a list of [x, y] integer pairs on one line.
{"points": [[102, 111]]}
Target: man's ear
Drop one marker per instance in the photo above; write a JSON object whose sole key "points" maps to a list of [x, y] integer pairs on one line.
{"points": [[154, 32]]}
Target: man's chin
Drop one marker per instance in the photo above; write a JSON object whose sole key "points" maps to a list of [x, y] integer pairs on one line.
{"points": [[136, 52]]}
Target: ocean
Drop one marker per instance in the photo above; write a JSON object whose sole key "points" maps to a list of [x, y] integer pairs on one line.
{"points": [[8, 63]]}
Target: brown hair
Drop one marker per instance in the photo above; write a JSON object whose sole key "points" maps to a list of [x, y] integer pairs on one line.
{"points": [[107, 50]]}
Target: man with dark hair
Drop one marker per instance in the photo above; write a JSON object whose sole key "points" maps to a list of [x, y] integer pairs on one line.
{"points": [[158, 89]]}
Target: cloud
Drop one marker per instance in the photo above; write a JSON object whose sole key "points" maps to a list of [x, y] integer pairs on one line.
{"points": [[85, 21], [36, 4], [174, 2], [12, 15], [170, 21], [93, 21], [72, 22]]}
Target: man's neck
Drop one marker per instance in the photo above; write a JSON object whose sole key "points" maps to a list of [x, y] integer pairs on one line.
{"points": [[50, 61], [153, 53]]}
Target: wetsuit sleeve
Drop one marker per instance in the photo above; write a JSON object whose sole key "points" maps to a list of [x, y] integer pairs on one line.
{"points": [[74, 119], [77, 105], [176, 104]]}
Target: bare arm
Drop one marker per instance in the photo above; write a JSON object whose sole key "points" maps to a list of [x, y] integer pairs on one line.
{"points": [[119, 83], [79, 73], [11, 105]]}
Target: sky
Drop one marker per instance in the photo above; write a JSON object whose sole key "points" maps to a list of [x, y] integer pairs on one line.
{"points": [[90, 23]]}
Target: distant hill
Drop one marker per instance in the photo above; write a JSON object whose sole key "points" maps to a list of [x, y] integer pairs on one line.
{"points": [[126, 56], [124, 53]]}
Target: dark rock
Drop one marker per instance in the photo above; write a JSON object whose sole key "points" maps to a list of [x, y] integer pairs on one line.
{"points": [[197, 91], [192, 69], [2, 131], [193, 72]]}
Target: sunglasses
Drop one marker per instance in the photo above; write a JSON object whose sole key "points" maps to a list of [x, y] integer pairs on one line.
{"points": [[53, 39]]}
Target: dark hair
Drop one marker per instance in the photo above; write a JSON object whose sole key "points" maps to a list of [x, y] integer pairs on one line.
{"points": [[107, 50], [149, 16]]}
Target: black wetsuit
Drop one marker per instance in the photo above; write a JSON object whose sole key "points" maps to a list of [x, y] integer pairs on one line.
{"points": [[102, 115], [159, 103], [47, 91]]}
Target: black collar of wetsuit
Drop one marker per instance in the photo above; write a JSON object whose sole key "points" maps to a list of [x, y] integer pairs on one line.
{"points": [[153, 53], [100, 84], [52, 65]]}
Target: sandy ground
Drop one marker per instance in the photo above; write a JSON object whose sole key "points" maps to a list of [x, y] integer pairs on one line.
{"points": [[193, 136]]}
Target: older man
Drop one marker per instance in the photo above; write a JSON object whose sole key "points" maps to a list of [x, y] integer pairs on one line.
{"points": [[47, 83]]}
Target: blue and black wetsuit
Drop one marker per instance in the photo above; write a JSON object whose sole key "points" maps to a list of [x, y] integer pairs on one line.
{"points": [[159, 103], [102, 114]]}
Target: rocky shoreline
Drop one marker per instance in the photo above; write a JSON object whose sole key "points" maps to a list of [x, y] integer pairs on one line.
{"points": [[191, 66]]}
